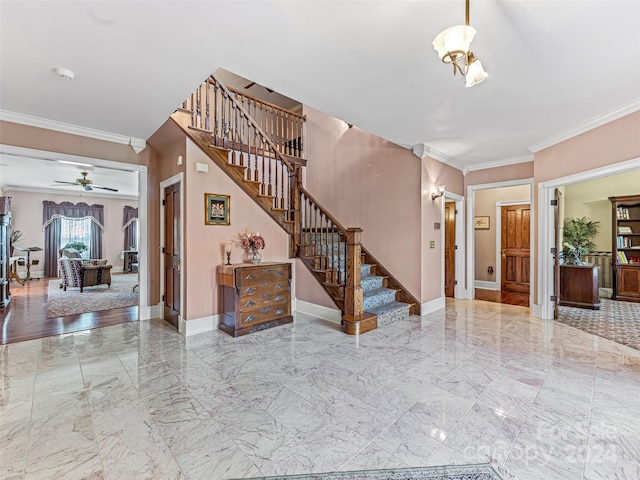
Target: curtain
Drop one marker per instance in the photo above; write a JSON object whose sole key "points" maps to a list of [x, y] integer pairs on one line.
{"points": [[130, 227], [51, 214]]}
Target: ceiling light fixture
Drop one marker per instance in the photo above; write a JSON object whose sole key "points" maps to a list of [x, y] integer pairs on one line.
{"points": [[453, 46], [64, 73]]}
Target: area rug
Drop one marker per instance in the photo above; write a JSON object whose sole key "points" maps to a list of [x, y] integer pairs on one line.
{"points": [[617, 321], [483, 471], [93, 299]]}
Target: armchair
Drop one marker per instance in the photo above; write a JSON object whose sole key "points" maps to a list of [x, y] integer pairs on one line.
{"points": [[78, 272]]}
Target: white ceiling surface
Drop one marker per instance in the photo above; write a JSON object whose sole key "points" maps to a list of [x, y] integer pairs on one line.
{"points": [[37, 174], [553, 65]]}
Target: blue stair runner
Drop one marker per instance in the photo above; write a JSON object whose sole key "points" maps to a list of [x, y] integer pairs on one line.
{"points": [[377, 299], [380, 300]]}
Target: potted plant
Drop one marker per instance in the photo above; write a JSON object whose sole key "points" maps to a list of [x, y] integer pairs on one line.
{"points": [[579, 281], [578, 239], [14, 237]]}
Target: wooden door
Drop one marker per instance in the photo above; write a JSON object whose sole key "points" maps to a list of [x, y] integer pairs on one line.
{"points": [[515, 248], [171, 252], [557, 198], [449, 248]]}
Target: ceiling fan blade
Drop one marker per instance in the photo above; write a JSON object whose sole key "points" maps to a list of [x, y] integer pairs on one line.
{"points": [[66, 183], [104, 188]]}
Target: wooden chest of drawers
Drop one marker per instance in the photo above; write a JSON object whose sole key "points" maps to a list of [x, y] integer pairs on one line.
{"points": [[254, 297]]}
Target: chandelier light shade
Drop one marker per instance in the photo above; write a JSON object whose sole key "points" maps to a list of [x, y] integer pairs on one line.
{"points": [[454, 43], [454, 46]]}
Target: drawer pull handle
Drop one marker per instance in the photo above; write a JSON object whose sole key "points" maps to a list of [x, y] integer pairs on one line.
{"points": [[266, 309], [251, 276], [279, 297], [250, 318], [279, 312], [249, 303], [266, 295], [279, 285], [250, 290], [265, 284]]}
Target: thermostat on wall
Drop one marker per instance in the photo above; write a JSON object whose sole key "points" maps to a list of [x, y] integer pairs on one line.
{"points": [[202, 167]]}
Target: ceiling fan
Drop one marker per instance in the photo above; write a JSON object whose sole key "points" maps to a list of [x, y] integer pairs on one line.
{"points": [[85, 183]]}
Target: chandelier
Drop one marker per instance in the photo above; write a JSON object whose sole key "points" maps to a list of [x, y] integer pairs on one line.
{"points": [[453, 46]]}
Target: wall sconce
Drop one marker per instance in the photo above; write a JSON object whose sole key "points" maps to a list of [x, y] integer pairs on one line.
{"points": [[440, 192]]}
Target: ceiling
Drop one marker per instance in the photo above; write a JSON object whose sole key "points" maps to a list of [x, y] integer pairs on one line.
{"points": [[553, 65]]}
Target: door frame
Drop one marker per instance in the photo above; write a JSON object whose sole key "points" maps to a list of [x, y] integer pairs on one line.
{"points": [[460, 289], [471, 253], [546, 226], [145, 311], [499, 206], [177, 178]]}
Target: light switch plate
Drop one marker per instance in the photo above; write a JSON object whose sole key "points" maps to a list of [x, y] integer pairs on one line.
{"points": [[432, 244]]}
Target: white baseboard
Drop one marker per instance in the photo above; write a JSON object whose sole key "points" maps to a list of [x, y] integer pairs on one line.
{"points": [[198, 325], [315, 310], [536, 310], [486, 285], [147, 312], [432, 305], [117, 269]]}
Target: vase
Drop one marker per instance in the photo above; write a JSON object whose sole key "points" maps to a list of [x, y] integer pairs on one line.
{"points": [[254, 256]]}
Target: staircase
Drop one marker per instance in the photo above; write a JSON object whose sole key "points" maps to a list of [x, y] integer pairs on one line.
{"points": [[267, 166]]}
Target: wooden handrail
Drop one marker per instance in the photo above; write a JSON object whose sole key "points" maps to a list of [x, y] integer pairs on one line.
{"points": [[255, 125], [327, 214], [272, 105]]}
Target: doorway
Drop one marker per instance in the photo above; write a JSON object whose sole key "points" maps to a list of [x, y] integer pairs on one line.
{"points": [[171, 287], [449, 248], [499, 240], [515, 253]]}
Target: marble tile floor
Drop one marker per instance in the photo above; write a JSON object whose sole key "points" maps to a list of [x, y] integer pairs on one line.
{"points": [[472, 381]]}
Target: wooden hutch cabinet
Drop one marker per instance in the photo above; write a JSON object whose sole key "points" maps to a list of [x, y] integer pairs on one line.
{"points": [[625, 249], [254, 297]]}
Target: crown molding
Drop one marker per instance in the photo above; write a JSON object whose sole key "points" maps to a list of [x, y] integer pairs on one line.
{"points": [[609, 117], [422, 150], [499, 163], [137, 144]]}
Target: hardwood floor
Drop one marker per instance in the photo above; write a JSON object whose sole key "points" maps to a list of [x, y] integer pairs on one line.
{"points": [[25, 318], [497, 296]]}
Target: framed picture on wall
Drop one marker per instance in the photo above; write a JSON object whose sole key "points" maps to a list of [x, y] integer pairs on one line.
{"points": [[216, 209], [481, 223]]}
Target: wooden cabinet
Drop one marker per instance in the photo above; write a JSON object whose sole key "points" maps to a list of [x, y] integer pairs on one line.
{"points": [[5, 232], [254, 297], [579, 286], [626, 247]]}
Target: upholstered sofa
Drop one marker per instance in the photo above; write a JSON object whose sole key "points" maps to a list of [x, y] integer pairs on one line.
{"points": [[78, 272]]}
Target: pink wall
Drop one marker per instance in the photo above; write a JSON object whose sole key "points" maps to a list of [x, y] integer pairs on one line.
{"points": [[612, 143], [52, 141], [26, 212], [505, 173], [365, 181], [204, 243]]}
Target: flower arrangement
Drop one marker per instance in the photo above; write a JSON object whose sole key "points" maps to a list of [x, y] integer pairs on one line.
{"points": [[251, 241]]}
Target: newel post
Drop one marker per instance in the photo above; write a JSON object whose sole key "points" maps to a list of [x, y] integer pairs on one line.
{"points": [[355, 320], [294, 197]]}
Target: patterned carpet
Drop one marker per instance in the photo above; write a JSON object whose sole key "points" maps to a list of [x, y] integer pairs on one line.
{"points": [[450, 472], [93, 299], [617, 321]]}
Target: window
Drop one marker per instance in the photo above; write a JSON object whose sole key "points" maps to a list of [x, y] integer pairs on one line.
{"points": [[76, 230]]}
